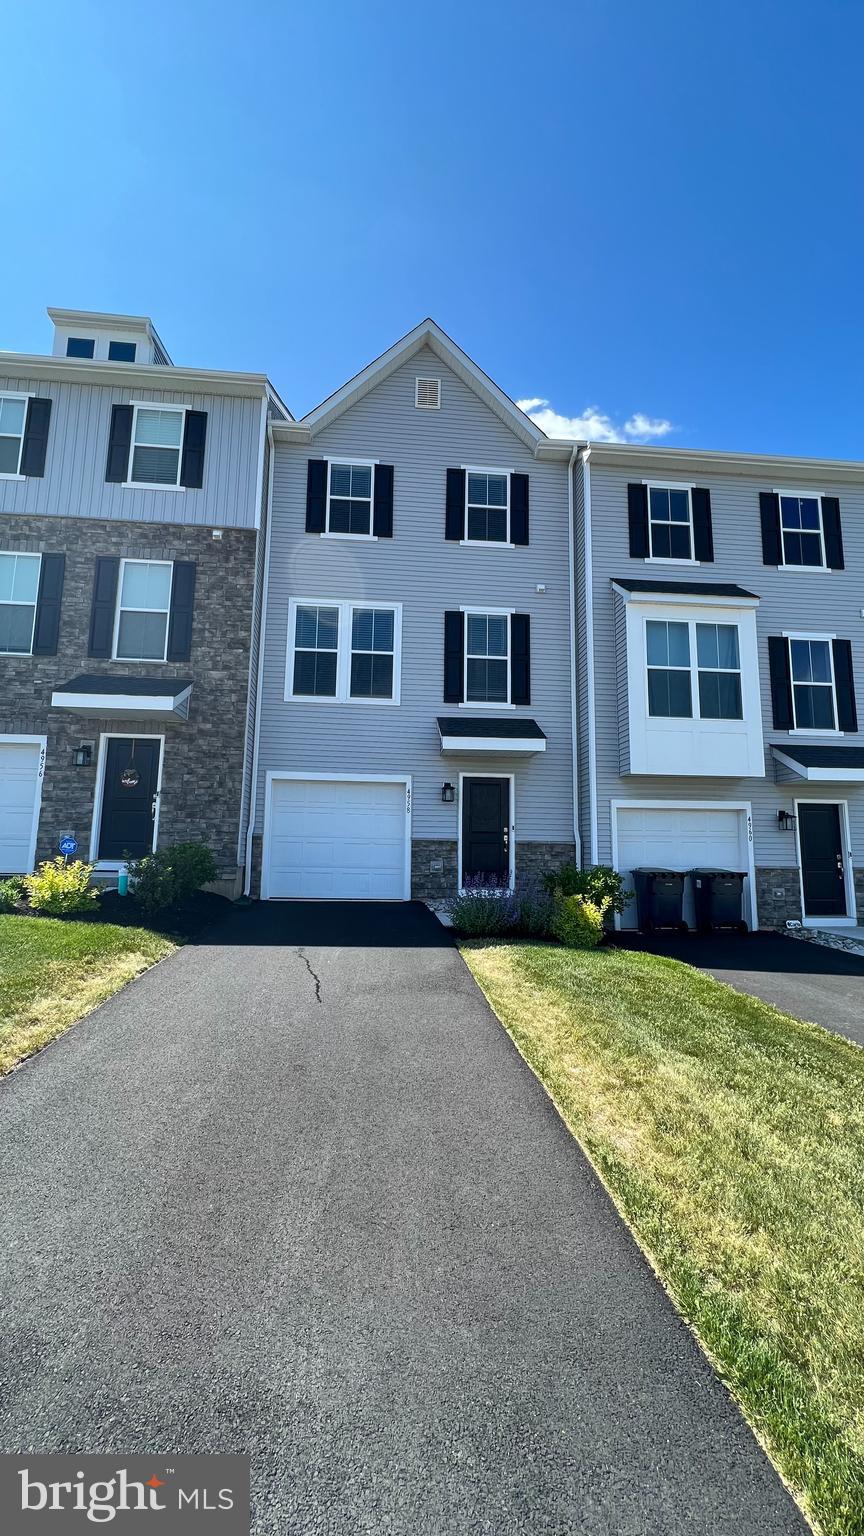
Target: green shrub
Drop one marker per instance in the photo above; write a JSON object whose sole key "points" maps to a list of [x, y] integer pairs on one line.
{"points": [[170, 875], [193, 865], [599, 884], [151, 882], [58, 888], [578, 922], [536, 909], [11, 891]]}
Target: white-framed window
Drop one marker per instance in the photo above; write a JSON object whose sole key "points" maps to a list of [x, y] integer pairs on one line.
{"points": [[670, 522], [344, 652], [487, 506], [373, 648], [811, 669], [13, 418], [157, 443], [801, 533], [694, 670], [487, 657], [143, 608], [19, 590], [349, 498]]}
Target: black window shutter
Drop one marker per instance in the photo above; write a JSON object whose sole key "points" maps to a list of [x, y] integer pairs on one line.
{"points": [[36, 441], [518, 509], [119, 443], [182, 604], [454, 522], [192, 458], [637, 511], [316, 496], [847, 714], [769, 511], [703, 535], [47, 630], [382, 512], [454, 645], [103, 606], [832, 533], [781, 682], [520, 658]]}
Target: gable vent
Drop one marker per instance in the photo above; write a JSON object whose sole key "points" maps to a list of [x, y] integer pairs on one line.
{"points": [[427, 394]]}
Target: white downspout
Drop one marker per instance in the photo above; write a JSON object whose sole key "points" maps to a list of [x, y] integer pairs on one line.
{"points": [[588, 597], [571, 587], [262, 636]]}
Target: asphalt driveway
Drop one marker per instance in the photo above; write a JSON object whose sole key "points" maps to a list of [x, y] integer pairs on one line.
{"points": [[810, 981], [295, 1192]]}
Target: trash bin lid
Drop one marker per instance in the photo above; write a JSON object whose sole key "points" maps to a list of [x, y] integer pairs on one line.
{"points": [[662, 874], [717, 874]]}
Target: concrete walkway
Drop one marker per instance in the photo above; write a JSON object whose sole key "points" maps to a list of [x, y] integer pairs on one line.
{"points": [[294, 1192]]}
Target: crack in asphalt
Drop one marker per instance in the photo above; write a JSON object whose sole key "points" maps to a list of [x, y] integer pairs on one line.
{"points": [[317, 979]]}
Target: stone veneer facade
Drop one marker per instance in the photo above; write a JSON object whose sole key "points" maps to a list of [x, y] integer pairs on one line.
{"points": [[431, 883], [203, 755], [775, 910]]}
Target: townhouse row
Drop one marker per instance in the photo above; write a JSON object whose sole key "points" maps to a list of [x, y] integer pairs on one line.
{"points": [[409, 641]]}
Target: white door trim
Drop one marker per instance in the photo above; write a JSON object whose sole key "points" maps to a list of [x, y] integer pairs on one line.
{"points": [[511, 872], [333, 778], [113, 865], [851, 918], [32, 741], [691, 805]]}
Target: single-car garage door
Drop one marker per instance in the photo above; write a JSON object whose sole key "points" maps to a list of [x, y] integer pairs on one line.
{"points": [[19, 804], [681, 837], [337, 839]]}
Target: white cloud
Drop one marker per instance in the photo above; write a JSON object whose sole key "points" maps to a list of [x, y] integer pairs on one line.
{"points": [[595, 425]]}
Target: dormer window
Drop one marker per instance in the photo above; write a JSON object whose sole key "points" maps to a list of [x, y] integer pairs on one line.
{"points": [[80, 346], [121, 351]]}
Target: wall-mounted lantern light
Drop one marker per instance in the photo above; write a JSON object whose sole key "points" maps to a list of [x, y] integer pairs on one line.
{"points": [[786, 821], [448, 794], [83, 755]]}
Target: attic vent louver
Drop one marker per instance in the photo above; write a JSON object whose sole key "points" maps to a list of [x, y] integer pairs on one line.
{"points": [[427, 394]]}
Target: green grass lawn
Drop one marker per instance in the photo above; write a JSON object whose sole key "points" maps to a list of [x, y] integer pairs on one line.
{"points": [[52, 972], [731, 1137]]}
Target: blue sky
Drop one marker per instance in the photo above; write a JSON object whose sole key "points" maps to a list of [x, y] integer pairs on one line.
{"points": [[644, 210]]}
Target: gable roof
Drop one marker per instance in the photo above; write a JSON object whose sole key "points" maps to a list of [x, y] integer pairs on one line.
{"points": [[426, 334]]}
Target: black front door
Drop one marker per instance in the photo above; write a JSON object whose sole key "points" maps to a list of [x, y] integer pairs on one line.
{"points": [[129, 797], [485, 829], [822, 872]]}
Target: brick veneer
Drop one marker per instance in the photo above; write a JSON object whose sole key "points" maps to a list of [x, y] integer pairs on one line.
{"points": [[203, 756]]}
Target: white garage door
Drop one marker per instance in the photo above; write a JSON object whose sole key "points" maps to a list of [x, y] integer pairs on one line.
{"points": [[19, 799], [337, 840], [673, 837]]}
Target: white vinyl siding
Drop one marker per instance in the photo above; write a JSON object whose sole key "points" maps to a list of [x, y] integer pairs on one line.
{"points": [[427, 575], [831, 602], [74, 483]]}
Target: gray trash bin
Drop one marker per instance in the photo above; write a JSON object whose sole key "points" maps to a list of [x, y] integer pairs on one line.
{"points": [[660, 899], [719, 898]]}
